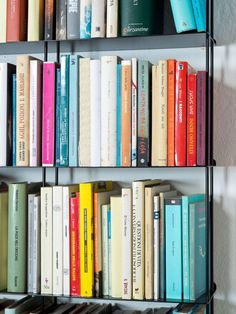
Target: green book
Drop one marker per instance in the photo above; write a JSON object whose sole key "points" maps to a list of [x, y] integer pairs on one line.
{"points": [[3, 239]]}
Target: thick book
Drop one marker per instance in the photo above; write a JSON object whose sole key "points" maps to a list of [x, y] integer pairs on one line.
{"points": [[85, 18], [201, 118], [57, 117], [49, 20], [98, 18], [61, 17], [73, 19], [35, 112], [105, 259], [134, 105], [143, 114], [35, 20], [112, 18], [200, 12], [17, 20], [6, 103], [118, 117], [17, 237], [3, 21], [183, 15], [14, 120], [48, 115], [36, 271], [3, 237]]}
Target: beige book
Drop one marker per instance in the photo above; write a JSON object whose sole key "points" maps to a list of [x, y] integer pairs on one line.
{"points": [[35, 20], [3, 20], [159, 114]]}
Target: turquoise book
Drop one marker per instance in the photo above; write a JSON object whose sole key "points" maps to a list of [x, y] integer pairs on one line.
{"points": [[183, 15], [199, 9], [118, 117], [197, 226], [186, 201], [85, 19], [64, 111], [14, 120], [73, 110], [173, 231], [58, 99]]}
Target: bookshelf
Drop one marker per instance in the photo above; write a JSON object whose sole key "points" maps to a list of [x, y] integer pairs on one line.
{"points": [[203, 43]]}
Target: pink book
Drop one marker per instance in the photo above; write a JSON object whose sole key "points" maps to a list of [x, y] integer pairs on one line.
{"points": [[48, 118]]}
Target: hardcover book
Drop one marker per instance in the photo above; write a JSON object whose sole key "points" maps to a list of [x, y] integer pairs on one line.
{"points": [[201, 118], [105, 259], [183, 15], [35, 20], [61, 18], [17, 20], [36, 269], [57, 117], [85, 18], [98, 18], [112, 18], [199, 9], [134, 103], [118, 117], [49, 20], [73, 19], [14, 120]]}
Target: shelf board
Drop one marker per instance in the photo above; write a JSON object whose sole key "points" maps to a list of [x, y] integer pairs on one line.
{"points": [[94, 168]]}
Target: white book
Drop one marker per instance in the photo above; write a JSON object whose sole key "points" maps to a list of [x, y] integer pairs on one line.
{"points": [[95, 98], [105, 261], [85, 18], [134, 104], [156, 248], [109, 252], [3, 21], [46, 240], [36, 245], [30, 243], [98, 18], [35, 112], [112, 18], [126, 244], [108, 110], [57, 237]]}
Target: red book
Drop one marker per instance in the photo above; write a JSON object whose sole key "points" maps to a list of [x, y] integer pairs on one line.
{"points": [[74, 246], [17, 20], [192, 120]]}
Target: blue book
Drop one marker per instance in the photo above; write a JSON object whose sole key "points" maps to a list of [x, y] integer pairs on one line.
{"points": [[58, 100], [118, 117], [183, 15], [199, 9], [73, 111], [109, 248], [186, 200], [13, 119], [85, 19], [197, 226], [64, 111], [173, 230]]}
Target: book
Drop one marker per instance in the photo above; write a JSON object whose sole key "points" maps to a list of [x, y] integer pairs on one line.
{"points": [[4, 238], [3, 21], [64, 111], [201, 118], [98, 18], [143, 114], [183, 15], [156, 237], [35, 112], [173, 232], [35, 20], [199, 10], [25, 305], [48, 115], [49, 20], [30, 243], [57, 117], [36, 269], [14, 120], [61, 19], [108, 110], [17, 235], [85, 113], [118, 117], [16, 20], [105, 259], [73, 19], [109, 251], [134, 104], [85, 18], [126, 113], [112, 18]]}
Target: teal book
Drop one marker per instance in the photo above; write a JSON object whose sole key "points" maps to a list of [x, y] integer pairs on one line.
{"points": [[118, 117], [183, 15], [64, 111], [73, 111], [197, 226], [85, 18], [173, 231], [14, 120], [109, 249], [58, 100], [199, 9], [186, 201]]}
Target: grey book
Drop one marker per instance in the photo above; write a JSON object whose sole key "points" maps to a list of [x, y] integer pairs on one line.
{"points": [[73, 19]]}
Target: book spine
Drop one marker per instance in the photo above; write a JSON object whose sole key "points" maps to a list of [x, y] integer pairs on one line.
{"points": [[49, 21], [98, 18], [3, 21], [3, 116], [64, 111], [4, 238], [48, 126], [112, 18], [30, 243], [95, 97], [199, 9], [118, 117], [35, 20], [126, 112], [85, 18], [109, 251], [156, 215], [183, 15], [180, 114], [36, 246], [14, 120], [16, 20], [201, 118], [73, 19], [57, 118], [134, 104], [162, 246], [126, 244], [17, 238], [35, 112], [46, 241], [192, 244], [61, 11], [171, 76], [105, 261], [97, 248], [143, 114], [192, 120]]}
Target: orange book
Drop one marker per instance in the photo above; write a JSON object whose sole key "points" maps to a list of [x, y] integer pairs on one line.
{"points": [[171, 113], [126, 113], [16, 20]]}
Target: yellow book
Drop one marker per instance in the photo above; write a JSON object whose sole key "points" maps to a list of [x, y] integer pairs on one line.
{"points": [[3, 20], [3, 239], [35, 20]]}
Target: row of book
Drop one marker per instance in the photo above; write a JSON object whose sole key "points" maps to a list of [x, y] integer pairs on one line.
{"points": [[93, 113], [38, 19], [99, 240]]}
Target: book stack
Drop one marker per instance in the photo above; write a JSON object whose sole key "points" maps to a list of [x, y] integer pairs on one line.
{"points": [[100, 240], [106, 112]]}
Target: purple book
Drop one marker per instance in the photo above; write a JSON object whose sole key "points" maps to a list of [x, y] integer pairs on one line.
{"points": [[201, 118]]}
